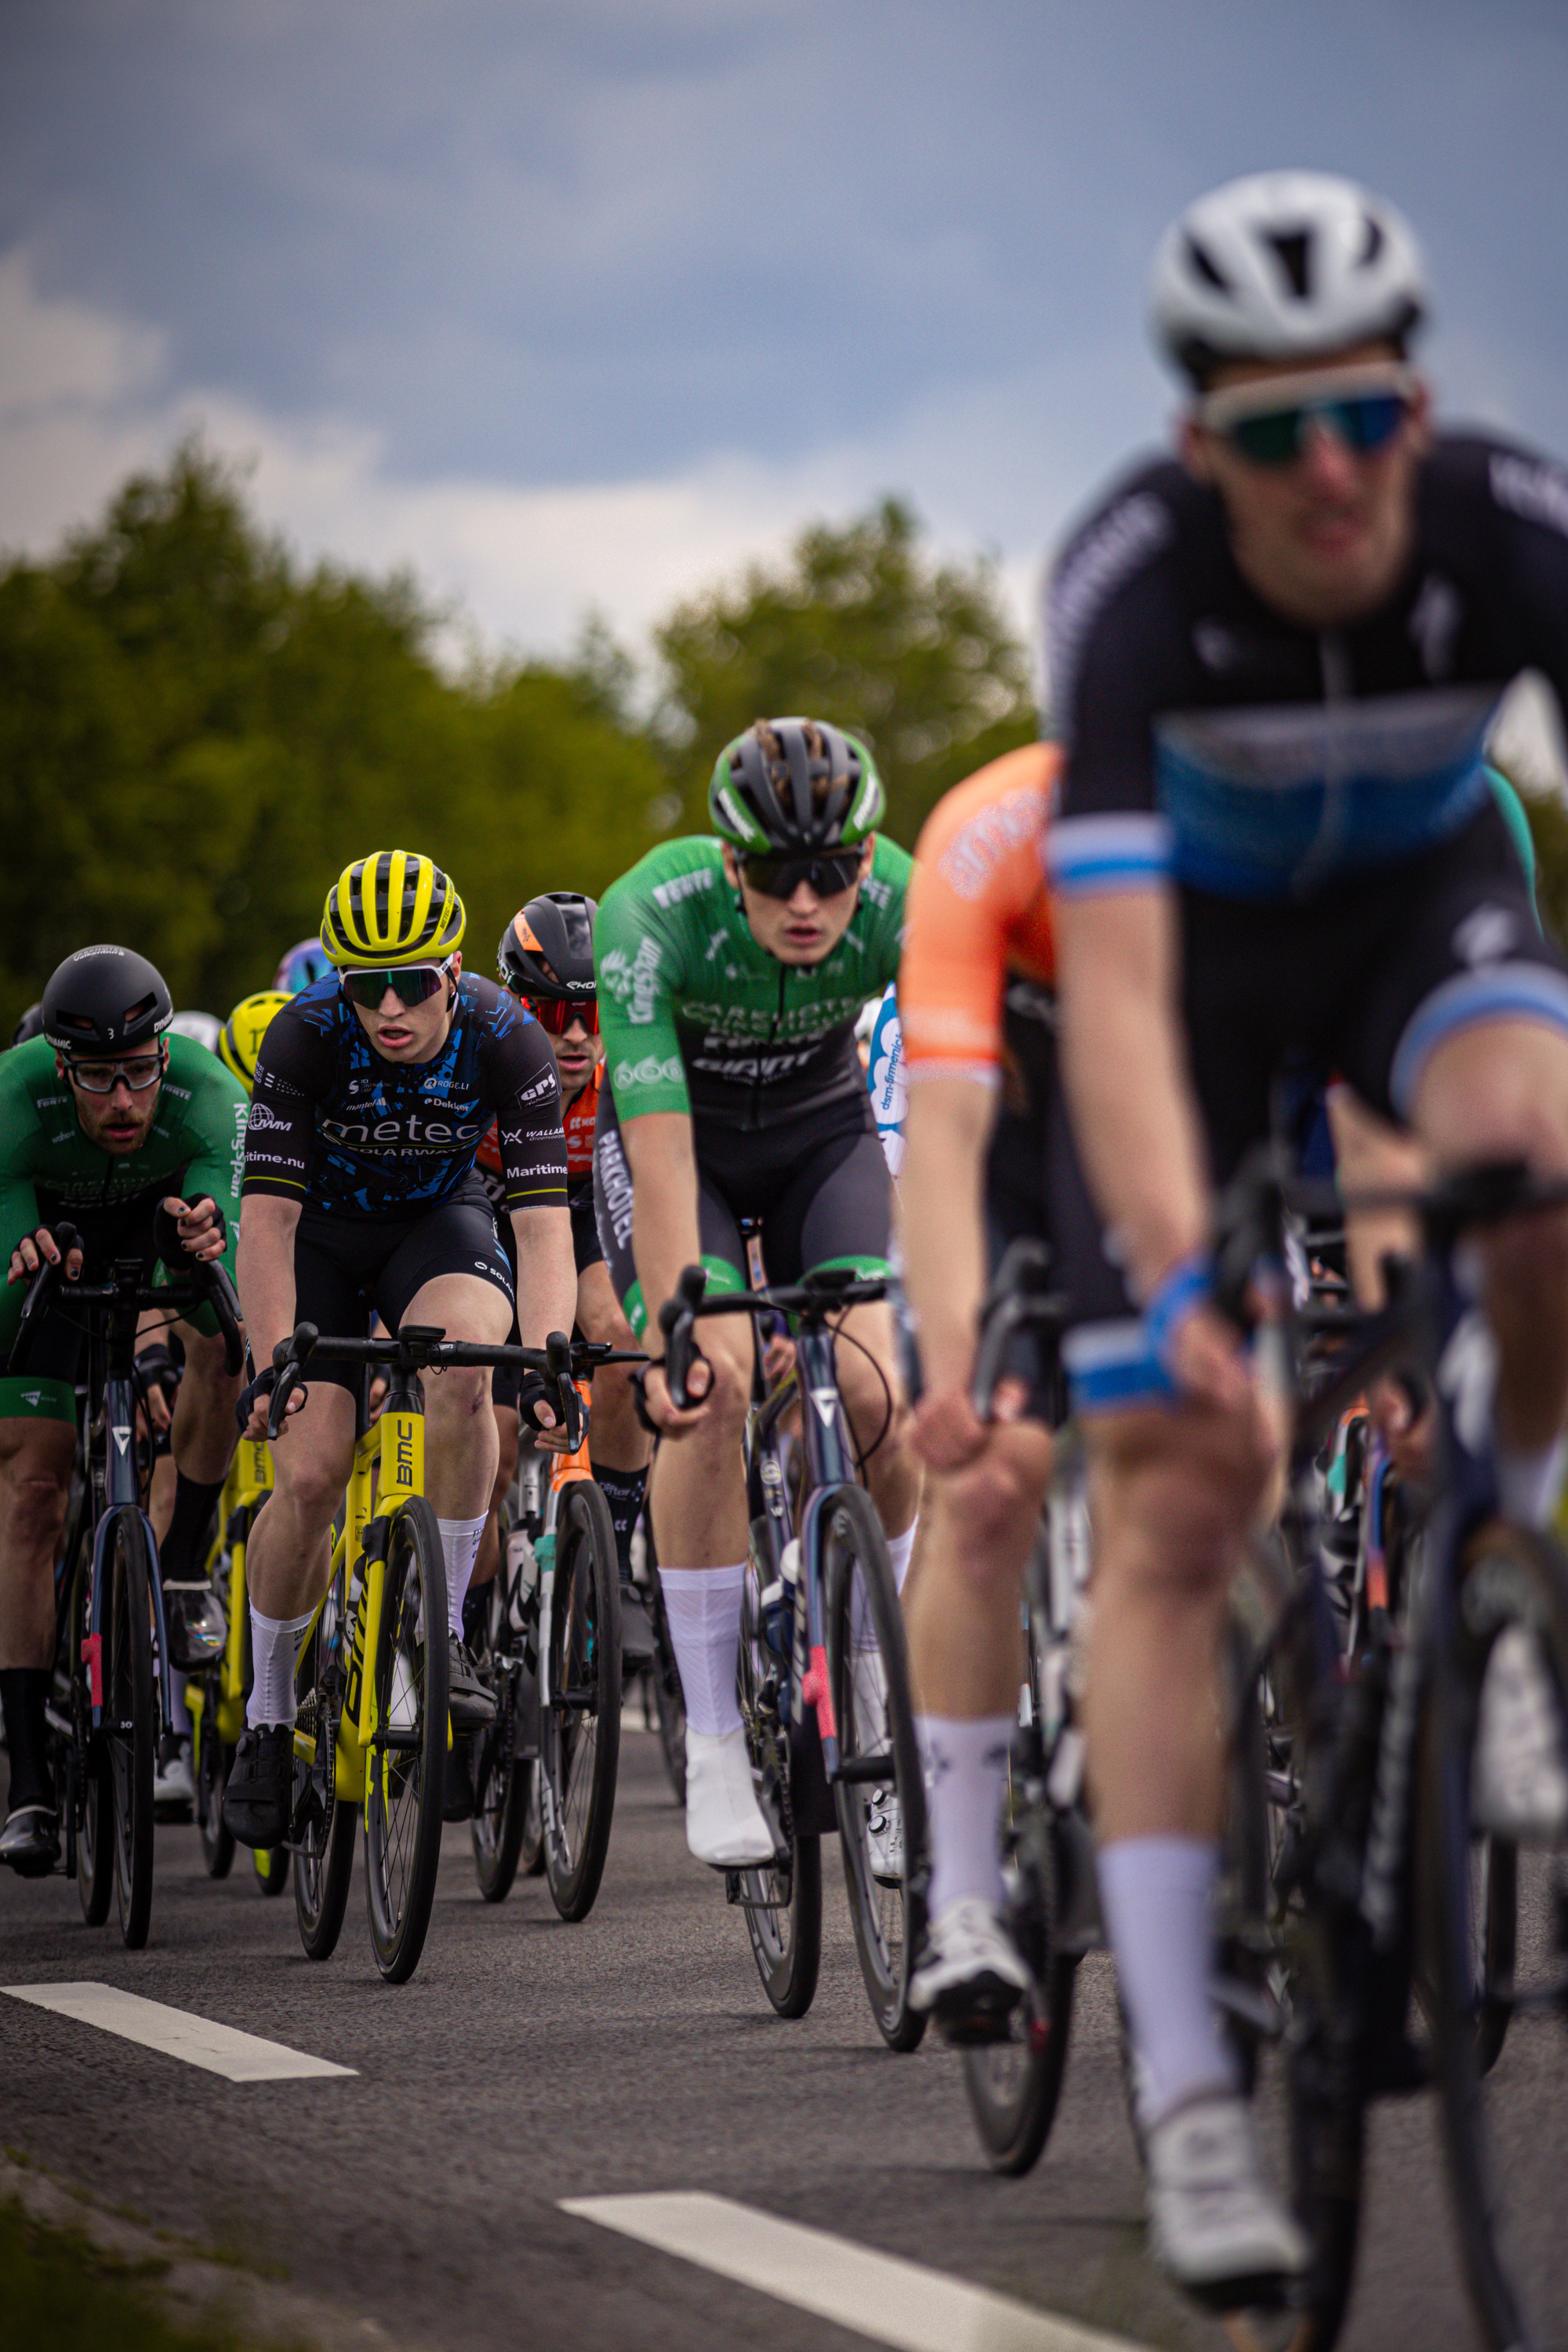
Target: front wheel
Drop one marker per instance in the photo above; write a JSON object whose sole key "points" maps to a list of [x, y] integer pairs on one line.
{"points": [[1494, 1923], [879, 1793], [406, 1759], [131, 1727], [580, 1724], [213, 1760]]}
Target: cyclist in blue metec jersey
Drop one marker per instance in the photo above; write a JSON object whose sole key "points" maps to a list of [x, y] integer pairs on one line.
{"points": [[1274, 660], [372, 1090]]}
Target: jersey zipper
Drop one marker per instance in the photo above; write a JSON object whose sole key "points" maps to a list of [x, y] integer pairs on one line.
{"points": [[772, 1039]]}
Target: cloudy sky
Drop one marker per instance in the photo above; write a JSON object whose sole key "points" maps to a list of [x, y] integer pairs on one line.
{"points": [[573, 303]]}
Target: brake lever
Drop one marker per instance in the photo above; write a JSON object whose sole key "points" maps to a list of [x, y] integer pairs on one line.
{"points": [[569, 1404], [39, 1290], [677, 1321]]}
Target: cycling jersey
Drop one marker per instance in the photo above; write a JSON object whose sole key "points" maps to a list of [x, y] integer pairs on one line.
{"points": [[1212, 740], [887, 1079], [698, 1017], [49, 1171], [334, 1123], [577, 1119], [974, 987]]}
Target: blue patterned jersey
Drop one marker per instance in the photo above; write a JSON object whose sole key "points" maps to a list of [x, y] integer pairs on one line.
{"points": [[335, 1125]]}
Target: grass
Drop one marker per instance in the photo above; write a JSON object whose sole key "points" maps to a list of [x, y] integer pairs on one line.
{"points": [[62, 2291]]}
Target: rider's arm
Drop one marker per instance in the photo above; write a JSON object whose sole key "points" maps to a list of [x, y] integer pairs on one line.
{"points": [[942, 1199], [289, 1072], [522, 1083], [637, 955], [665, 1237], [266, 1272], [216, 1113]]}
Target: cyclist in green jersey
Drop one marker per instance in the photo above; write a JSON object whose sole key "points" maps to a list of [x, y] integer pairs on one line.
{"points": [[137, 1139], [730, 972]]}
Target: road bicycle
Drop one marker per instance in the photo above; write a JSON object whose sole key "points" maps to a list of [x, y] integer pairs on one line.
{"points": [[215, 1699], [823, 1670], [371, 1730], [111, 1700], [551, 1650]]}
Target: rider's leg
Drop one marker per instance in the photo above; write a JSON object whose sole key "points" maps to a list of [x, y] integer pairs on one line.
{"points": [[288, 1556], [508, 1442], [461, 1445], [202, 1442], [1173, 1493], [618, 1447], [878, 1410], [36, 1457]]}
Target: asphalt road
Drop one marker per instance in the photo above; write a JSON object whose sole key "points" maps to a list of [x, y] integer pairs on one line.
{"points": [[529, 2061]]}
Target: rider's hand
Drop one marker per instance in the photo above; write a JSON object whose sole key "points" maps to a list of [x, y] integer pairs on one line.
{"points": [[201, 1229], [670, 1420], [1410, 1436], [260, 1400], [1207, 1361], [35, 1250], [948, 1432]]}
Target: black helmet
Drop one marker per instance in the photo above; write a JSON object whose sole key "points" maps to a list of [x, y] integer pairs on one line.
{"points": [[31, 1024], [795, 784], [102, 1000], [547, 948]]}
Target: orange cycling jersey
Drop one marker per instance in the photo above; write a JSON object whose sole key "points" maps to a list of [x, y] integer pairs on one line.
{"points": [[978, 917], [578, 1117]]}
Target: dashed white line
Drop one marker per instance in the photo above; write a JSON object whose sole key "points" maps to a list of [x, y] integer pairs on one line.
{"points": [[877, 2295], [217, 2049]]}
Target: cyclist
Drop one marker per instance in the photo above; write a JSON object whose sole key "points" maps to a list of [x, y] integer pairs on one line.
{"points": [[372, 1090], [306, 961], [1273, 663], [546, 958], [31, 1024], [975, 995], [239, 1040], [136, 1139], [731, 971]]}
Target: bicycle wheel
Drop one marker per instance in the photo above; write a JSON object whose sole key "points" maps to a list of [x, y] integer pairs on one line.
{"points": [[580, 1729], [1502, 2127], [324, 1823], [213, 1761], [668, 1700], [501, 1775], [879, 1795], [783, 1904], [86, 1786], [530, 1859], [131, 1728], [406, 1759], [273, 1868], [1015, 2085]]}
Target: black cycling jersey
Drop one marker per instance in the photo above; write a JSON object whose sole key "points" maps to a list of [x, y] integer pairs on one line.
{"points": [[1211, 740], [334, 1124]]}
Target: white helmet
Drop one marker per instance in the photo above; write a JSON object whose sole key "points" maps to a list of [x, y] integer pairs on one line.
{"points": [[1283, 266]]}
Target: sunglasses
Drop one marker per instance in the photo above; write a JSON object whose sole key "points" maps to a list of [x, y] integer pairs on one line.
{"points": [[412, 983], [100, 1077], [781, 878], [557, 1013], [1362, 413]]}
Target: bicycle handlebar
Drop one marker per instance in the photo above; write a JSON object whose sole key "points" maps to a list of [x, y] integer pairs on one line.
{"points": [[827, 1292], [423, 1347], [1018, 1300], [202, 1282]]}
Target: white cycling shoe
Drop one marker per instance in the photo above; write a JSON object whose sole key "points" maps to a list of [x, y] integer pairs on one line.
{"points": [[1519, 1780], [1214, 2226], [885, 1836], [724, 1824], [969, 1974]]}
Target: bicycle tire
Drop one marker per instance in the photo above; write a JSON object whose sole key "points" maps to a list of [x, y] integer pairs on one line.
{"points": [[500, 1806], [213, 1760], [1014, 2086], [783, 1907], [873, 1712], [94, 1800], [580, 1728], [129, 1700], [404, 1783], [271, 1869], [668, 1699], [324, 1823], [1507, 1579]]}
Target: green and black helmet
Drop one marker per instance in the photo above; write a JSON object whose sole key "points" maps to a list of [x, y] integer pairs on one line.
{"points": [[795, 784]]}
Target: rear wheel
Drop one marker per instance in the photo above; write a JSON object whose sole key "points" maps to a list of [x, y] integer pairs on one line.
{"points": [[1015, 2085], [405, 1762], [501, 1775], [880, 1796], [213, 1760], [1495, 1936], [668, 1699], [324, 1822], [783, 1904], [131, 1742], [580, 1724]]}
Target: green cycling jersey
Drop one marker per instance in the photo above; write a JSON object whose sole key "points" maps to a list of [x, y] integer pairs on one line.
{"points": [[697, 1018], [48, 1169]]}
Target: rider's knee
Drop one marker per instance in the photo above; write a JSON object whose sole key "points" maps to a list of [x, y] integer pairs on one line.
{"points": [[1175, 1499], [461, 1393]]}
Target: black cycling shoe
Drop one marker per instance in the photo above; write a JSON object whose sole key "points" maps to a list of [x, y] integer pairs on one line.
{"points": [[258, 1797], [31, 1841], [636, 1632], [198, 1630], [470, 1700], [458, 1791]]}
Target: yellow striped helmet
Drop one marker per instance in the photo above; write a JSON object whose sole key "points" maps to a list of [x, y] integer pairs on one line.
{"points": [[393, 907], [239, 1040]]}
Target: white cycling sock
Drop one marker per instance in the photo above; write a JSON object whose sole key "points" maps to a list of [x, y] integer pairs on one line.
{"points": [[862, 1632], [460, 1543], [274, 1647], [965, 1775], [1157, 1893], [1528, 1484], [900, 1549], [702, 1606]]}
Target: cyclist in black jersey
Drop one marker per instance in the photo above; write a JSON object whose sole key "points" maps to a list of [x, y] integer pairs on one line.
{"points": [[372, 1090], [1273, 663]]}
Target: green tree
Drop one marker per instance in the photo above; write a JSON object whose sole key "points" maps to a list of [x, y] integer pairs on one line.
{"points": [[860, 626]]}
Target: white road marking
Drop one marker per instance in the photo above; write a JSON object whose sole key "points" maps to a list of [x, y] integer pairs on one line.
{"points": [[876, 2295], [218, 2049]]}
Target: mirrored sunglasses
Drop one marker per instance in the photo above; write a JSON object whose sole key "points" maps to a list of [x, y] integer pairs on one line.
{"points": [[828, 874], [557, 1013], [1361, 414], [412, 983]]}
